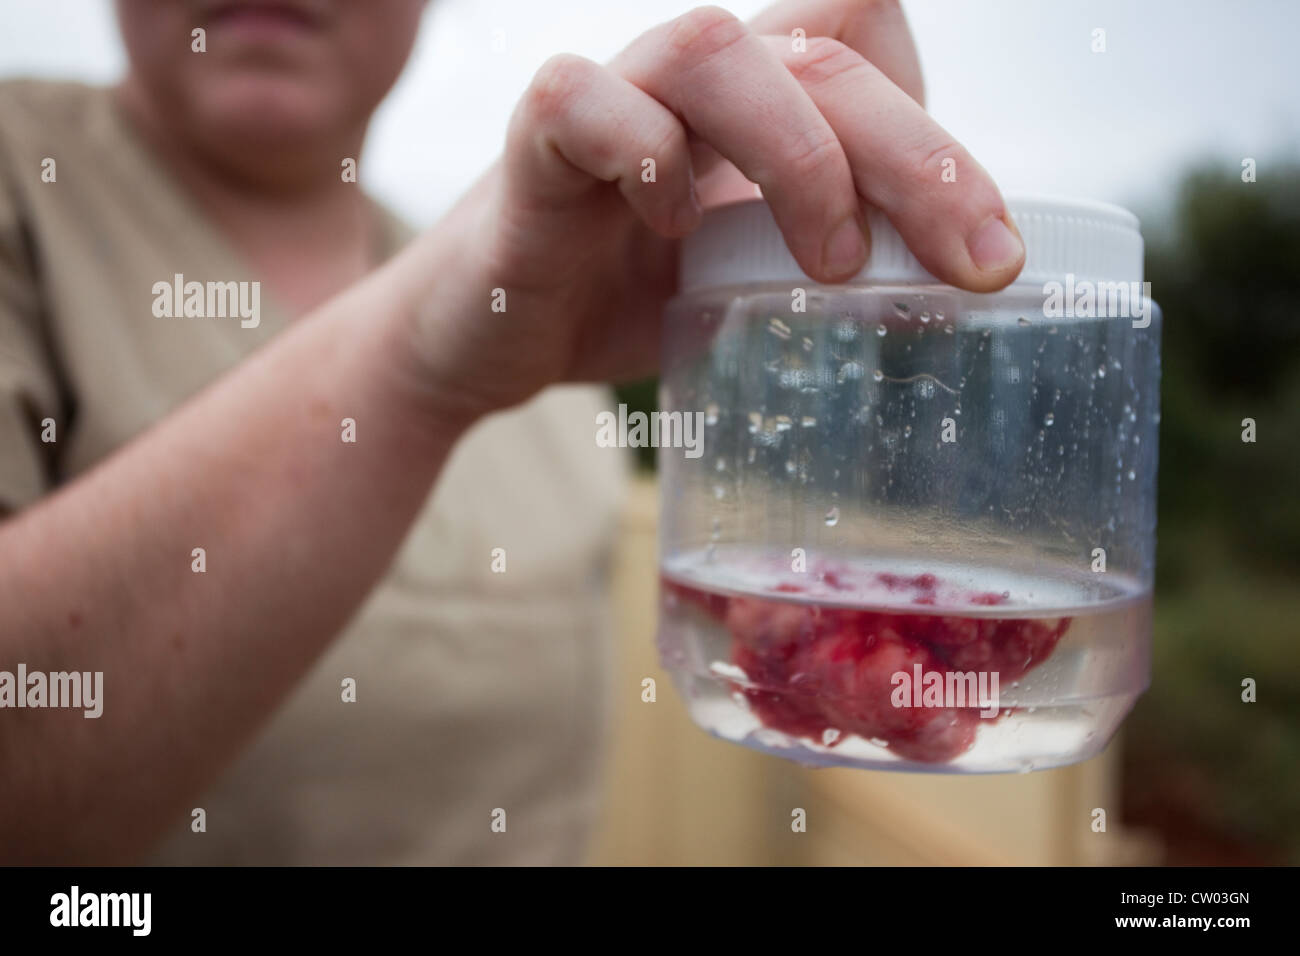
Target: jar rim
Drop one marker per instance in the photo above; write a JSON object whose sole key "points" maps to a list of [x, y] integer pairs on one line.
{"points": [[739, 244]]}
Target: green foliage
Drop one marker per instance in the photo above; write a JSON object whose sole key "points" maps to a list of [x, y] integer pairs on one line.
{"points": [[1228, 281], [1193, 749], [641, 396]]}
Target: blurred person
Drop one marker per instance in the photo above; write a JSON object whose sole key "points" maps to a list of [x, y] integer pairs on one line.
{"points": [[375, 560]]}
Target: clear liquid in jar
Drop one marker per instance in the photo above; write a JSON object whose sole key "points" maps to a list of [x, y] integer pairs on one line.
{"points": [[903, 663]]}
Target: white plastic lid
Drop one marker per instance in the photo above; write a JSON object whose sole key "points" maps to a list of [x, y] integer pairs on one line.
{"points": [[738, 244]]}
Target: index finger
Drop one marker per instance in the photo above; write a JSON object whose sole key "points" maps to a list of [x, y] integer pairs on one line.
{"points": [[734, 92], [875, 29]]}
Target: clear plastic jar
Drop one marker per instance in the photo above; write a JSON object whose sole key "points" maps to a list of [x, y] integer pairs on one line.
{"points": [[920, 534]]}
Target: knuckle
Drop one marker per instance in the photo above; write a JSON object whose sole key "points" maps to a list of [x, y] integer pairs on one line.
{"points": [[933, 151], [817, 154], [668, 146], [556, 83], [976, 193], [703, 32], [824, 59]]}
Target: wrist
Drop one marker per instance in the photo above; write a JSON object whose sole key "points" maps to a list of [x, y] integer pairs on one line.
{"points": [[424, 290]]}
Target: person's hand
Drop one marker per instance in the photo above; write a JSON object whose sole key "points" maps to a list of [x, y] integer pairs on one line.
{"points": [[584, 249]]}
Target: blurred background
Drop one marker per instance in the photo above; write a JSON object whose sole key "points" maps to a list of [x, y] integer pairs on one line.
{"points": [[1161, 122]]}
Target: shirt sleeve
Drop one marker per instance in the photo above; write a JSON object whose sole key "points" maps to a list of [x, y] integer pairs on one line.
{"points": [[29, 390]]}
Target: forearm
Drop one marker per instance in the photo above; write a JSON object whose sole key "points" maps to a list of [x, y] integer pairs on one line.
{"points": [[296, 526]]}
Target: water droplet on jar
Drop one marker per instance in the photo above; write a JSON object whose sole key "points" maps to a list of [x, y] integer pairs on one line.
{"points": [[879, 741], [729, 671], [1101, 371], [783, 423], [832, 517], [924, 317], [807, 344], [711, 415], [849, 371], [878, 375], [808, 422], [778, 328], [1022, 321], [907, 431], [720, 465], [790, 467], [755, 422], [1049, 418], [947, 330], [1132, 475], [881, 330], [829, 736]]}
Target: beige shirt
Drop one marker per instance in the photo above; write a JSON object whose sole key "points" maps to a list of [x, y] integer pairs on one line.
{"points": [[475, 691]]}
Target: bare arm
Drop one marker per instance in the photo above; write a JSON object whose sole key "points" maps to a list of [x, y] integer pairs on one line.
{"points": [[297, 526]]}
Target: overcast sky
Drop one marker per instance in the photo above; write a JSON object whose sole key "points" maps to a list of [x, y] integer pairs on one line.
{"points": [[1014, 80]]}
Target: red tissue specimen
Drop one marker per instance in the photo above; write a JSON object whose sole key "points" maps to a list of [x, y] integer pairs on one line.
{"points": [[813, 667]]}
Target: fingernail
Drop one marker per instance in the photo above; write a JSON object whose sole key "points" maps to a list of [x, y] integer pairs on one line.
{"points": [[845, 251], [994, 247]]}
